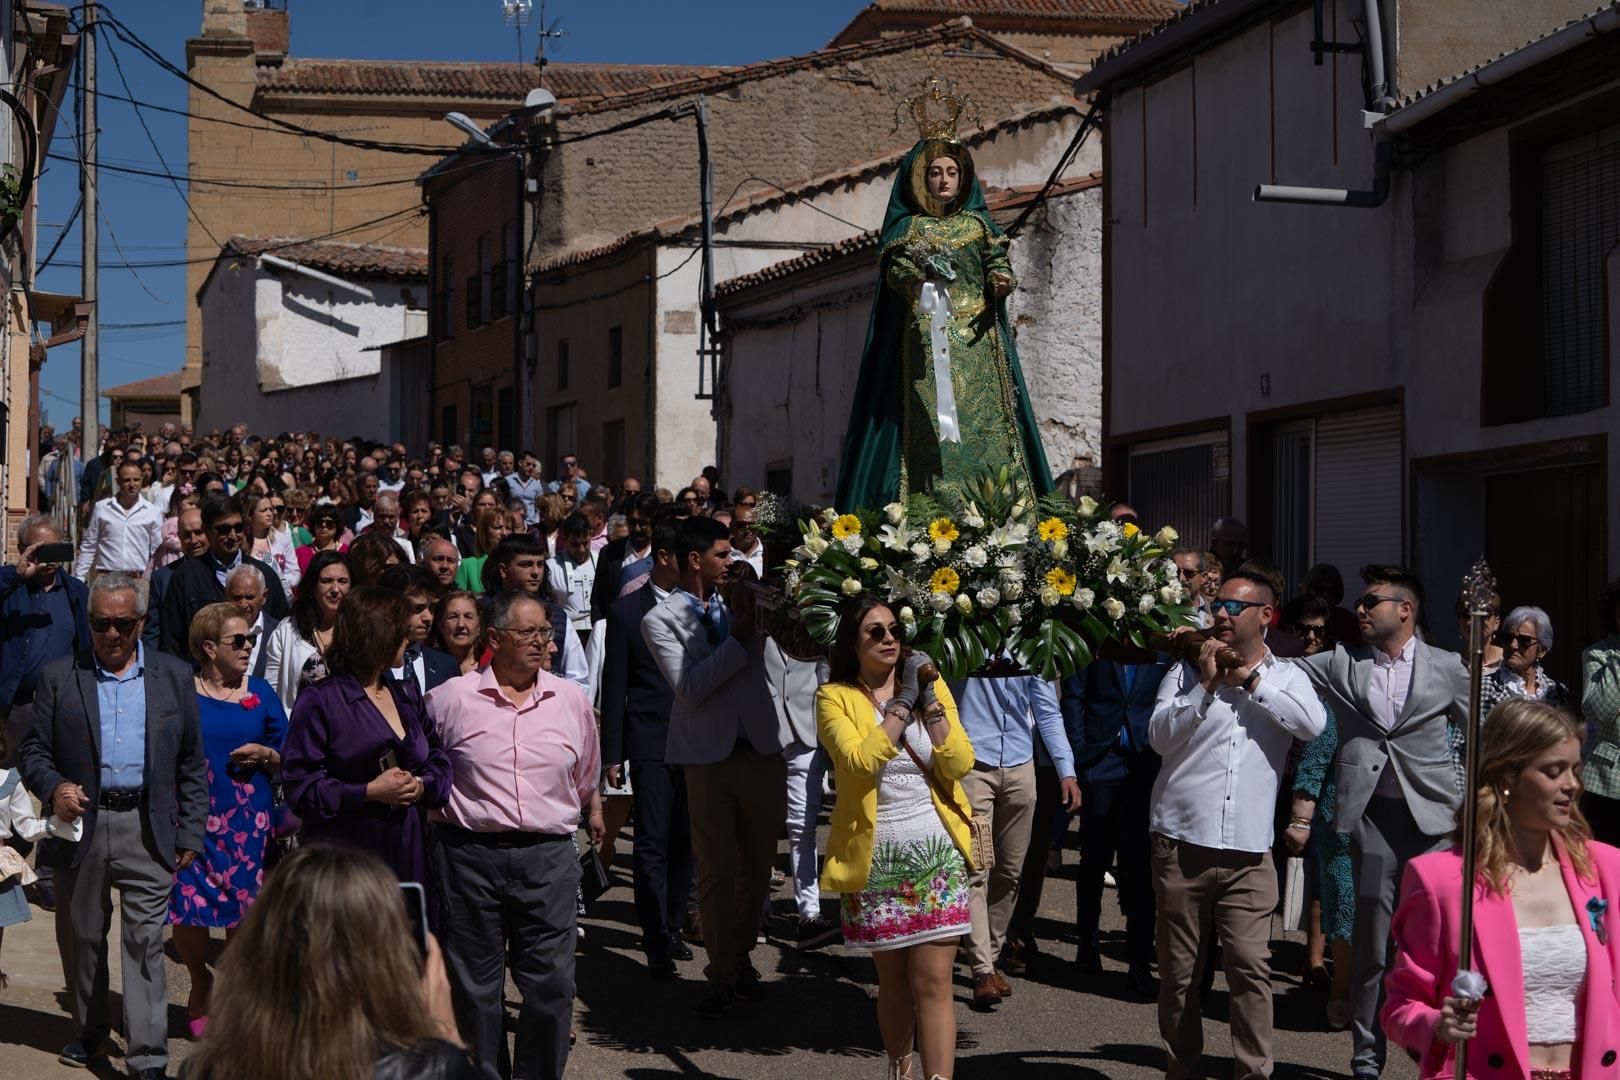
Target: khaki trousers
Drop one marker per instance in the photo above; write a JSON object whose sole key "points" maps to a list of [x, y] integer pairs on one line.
{"points": [[1234, 892], [738, 807], [1005, 796]]}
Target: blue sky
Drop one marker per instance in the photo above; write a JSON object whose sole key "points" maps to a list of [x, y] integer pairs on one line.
{"points": [[146, 218]]}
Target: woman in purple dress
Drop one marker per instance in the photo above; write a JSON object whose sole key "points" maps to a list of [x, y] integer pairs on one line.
{"points": [[359, 767], [242, 730]]}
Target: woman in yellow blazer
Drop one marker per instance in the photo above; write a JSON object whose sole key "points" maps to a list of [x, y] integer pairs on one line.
{"points": [[899, 847]]}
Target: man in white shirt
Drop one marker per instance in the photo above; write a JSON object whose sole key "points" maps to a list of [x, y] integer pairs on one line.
{"points": [[572, 572], [124, 530], [1224, 737], [246, 589], [385, 519]]}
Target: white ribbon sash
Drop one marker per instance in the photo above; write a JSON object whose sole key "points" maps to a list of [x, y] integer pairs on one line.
{"points": [[937, 303]]}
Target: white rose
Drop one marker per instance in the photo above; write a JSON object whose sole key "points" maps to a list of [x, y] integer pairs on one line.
{"points": [[1166, 537], [850, 586], [1145, 604], [975, 556], [942, 546], [869, 564], [989, 596], [852, 544], [964, 603], [920, 551], [1015, 615], [1088, 505], [895, 512], [1171, 593], [939, 601], [1060, 549], [1013, 590], [1049, 596], [1084, 598], [1113, 608], [815, 546], [908, 616]]}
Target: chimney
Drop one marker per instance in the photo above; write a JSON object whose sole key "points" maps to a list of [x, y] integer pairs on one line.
{"points": [[224, 18], [269, 28]]}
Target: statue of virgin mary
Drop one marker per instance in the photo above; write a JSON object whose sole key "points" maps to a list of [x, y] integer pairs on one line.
{"points": [[941, 399]]}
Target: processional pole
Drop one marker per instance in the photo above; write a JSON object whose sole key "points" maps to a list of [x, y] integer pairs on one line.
{"points": [[1478, 589]]}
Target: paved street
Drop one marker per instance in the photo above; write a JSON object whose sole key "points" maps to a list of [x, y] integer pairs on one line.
{"points": [[817, 1019]]}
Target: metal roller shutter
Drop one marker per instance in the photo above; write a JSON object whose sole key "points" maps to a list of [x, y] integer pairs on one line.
{"points": [[1358, 491]]}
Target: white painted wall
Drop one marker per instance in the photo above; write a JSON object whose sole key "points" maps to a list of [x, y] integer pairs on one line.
{"points": [[286, 352]]}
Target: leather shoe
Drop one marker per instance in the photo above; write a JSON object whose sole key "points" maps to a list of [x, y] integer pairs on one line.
{"points": [[156, 1072], [985, 993], [660, 966], [83, 1050], [1003, 987], [1015, 959], [713, 1003], [749, 986], [1141, 980], [678, 948], [1087, 962]]}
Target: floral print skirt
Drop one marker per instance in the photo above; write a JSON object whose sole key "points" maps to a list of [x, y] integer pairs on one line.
{"points": [[916, 892]]}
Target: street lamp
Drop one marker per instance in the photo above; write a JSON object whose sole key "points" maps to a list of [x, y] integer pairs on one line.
{"points": [[465, 123]]}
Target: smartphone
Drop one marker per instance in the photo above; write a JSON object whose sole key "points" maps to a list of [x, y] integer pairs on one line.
{"points": [[416, 908], [54, 553], [389, 760]]}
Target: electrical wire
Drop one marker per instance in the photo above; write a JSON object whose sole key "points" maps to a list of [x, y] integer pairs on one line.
{"points": [[312, 186], [67, 226]]}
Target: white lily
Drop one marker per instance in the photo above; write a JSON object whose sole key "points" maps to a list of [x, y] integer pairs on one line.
{"points": [[1117, 571]]}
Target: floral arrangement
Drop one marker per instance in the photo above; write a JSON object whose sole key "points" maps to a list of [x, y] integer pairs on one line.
{"points": [[993, 572]]}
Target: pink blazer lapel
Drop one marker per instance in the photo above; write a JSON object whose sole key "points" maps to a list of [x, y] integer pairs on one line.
{"points": [[1497, 956], [1598, 1003]]}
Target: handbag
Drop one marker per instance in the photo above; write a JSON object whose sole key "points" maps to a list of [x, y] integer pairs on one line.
{"points": [[981, 850], [593, 876]]}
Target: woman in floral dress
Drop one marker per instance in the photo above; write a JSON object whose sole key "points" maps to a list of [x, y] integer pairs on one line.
{"points": [[243, 726], [899, 846]]}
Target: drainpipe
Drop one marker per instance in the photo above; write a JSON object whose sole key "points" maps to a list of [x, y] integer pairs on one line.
{"points": [[1379, 100]]}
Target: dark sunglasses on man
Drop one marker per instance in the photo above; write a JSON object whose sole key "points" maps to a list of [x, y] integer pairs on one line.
{"points": [[1233, 608], [1313, 633], [102, 624]]}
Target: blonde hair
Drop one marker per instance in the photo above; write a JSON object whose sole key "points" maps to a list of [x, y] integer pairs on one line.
{"points": [[1515, 733], [322, 978], [207, 624]]}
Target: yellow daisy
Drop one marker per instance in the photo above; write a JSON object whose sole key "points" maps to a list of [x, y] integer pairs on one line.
{"points": [[1061, 580], [945, 580], [846, 525], [942, 528], [1130, 530]]}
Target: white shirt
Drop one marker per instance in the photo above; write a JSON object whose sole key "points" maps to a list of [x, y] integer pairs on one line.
{"points": [[258, 643], [571, 586], [1387, 688], [1224, 754], [756, 559], [119, 539]]}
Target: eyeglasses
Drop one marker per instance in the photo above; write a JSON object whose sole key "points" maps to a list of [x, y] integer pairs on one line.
{"points": [[877, 635], [527, 637], [1371, 600], [102, 624], [1234, 608], [1317, 633], [240, 641], [1520, 641], [570, 464], [228, 527]]}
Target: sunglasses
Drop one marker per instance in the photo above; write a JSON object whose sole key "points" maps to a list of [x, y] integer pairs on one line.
{"points": [[1518, 641], [228, 527], [101, 624], [1317, 632], [240, 641], [1372, 600], [877, 635], [1234, 608], [280, 508]]}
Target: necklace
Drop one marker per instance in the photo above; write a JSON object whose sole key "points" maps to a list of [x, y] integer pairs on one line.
{"points": [[872, 692], [230, 694]]}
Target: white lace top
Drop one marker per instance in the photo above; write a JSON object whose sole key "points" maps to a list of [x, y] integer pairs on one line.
{"points": [[1554, 962]]}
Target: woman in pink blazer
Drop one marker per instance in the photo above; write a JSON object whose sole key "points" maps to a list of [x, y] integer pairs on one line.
{"points": [[1544, 937]]}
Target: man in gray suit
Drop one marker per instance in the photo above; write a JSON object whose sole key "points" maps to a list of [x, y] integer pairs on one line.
{"points": [[724, 729], [115, 748], [1397, 790]]}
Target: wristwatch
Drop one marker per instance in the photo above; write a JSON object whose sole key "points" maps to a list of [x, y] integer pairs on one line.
{"points": [[1248, 684]]}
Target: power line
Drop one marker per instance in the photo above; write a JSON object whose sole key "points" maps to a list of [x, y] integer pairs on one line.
{"points": [[314, 187]]}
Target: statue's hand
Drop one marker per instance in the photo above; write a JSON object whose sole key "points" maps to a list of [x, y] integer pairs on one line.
{"points": [[1002, 285]]}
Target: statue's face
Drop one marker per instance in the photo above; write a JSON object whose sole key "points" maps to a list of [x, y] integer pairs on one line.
{"points": [[944, 178]]}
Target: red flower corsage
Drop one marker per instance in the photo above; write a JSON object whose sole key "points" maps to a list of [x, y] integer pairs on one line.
{"points": [[250, 701]]}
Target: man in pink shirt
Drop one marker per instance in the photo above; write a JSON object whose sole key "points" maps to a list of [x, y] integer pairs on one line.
{"points": [[523, 746]]}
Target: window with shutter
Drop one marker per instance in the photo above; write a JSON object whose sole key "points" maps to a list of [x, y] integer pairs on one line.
{"points": [[1580, 226], [1184, 483]]}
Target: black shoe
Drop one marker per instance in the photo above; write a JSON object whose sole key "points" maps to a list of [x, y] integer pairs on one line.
{"points": [[1087, 962], [660, 966], [156, 1072], [83, 1051], [1141, 980], [713, 1003], [749, 986], [44, 895], [678, 948], [816, 932]]}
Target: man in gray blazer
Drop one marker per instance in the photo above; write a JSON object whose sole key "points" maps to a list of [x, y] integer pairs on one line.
{"points": [[725, 731], [1397, 791], [115, 749]]}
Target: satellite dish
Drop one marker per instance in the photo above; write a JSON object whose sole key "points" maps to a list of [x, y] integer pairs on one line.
{"points": [[540, 98]]}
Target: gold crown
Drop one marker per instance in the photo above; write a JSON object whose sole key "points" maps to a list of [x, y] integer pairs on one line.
{"points": [[936, 109]]}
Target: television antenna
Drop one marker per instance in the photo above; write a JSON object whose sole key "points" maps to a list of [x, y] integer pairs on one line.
{"points": [[515, 13], [549, 33]]}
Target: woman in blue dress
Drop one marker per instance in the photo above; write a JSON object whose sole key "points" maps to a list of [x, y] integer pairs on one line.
{"points": [[243, 726]]}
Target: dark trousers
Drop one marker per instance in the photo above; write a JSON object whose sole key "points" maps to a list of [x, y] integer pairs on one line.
{"points": [[1048, 805], [1114, 806], [661, 865], [510, 905]]}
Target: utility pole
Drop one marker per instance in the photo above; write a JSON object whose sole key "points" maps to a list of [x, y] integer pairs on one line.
{"points": [[89, 373]]}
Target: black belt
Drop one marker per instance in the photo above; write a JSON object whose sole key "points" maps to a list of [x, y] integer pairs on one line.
{"points": [[120, 800], [455, 836]]}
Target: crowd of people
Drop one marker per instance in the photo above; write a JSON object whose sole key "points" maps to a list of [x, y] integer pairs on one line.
{"points": [[271, 679]]}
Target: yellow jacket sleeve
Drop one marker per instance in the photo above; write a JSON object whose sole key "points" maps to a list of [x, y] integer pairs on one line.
{"points": [[857, 745], [953, 758]]}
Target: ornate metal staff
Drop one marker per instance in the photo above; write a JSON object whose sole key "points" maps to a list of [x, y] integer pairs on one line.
{"points": [[1479, 586]]}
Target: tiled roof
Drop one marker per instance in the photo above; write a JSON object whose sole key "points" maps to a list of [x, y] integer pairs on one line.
{"points": [[996, 200], [1439, 84], [1132, 11], [463, 81], [1181, 14], [156, 386], [713, 80], [336, 256]]}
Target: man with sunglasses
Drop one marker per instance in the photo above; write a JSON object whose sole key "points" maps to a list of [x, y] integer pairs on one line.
{"points": [[136, 794], [1224, 735], [1392, 699], [199, 580], [568, 476]]}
